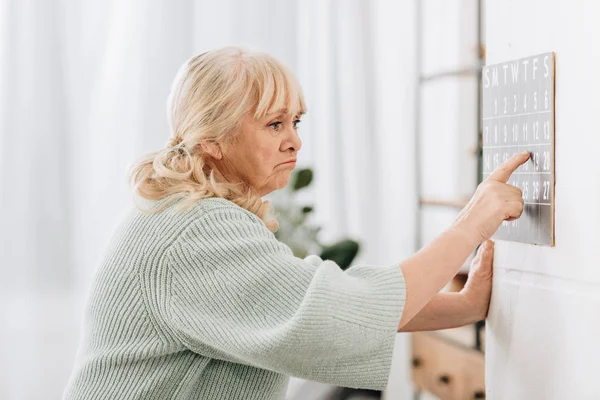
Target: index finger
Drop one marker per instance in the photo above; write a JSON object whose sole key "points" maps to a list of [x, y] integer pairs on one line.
{"points": [[504, 171]]}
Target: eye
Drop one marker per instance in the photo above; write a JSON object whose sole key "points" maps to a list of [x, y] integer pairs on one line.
{"points": [[275, 125], [296, 122]]}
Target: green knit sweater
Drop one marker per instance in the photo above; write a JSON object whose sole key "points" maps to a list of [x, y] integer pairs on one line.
{"points": [[207, 304]]}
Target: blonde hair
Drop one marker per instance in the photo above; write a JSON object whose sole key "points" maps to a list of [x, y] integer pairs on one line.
{"points": [[209, 97]]}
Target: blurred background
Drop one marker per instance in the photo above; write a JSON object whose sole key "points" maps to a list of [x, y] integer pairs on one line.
{"points": [[83, 89]]}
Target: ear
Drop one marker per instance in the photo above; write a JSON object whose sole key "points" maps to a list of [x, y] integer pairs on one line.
{"points": [[212, 148]]}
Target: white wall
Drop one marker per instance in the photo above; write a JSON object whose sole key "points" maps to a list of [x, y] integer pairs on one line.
{"points": [[543, 333]]}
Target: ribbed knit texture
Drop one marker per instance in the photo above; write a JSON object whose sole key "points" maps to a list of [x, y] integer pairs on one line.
{"points": [[208, 304]]}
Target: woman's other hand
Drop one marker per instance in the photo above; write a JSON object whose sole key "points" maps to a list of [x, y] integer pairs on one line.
{"points": [[494, 201], [478, 289]]}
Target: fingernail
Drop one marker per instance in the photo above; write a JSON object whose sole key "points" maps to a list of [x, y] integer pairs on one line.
{"points": [[526, 153], [487, 245]]}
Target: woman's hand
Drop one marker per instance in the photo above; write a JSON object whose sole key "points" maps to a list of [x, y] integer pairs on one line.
{"points": [[450, 310], [478, 289], [494, 201]]}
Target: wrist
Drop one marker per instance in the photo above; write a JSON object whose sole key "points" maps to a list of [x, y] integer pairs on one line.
{"points": [[472, 303], [467, 234]]}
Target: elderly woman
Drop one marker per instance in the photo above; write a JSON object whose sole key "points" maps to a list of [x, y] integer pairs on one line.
{"points": [[196, 298]]}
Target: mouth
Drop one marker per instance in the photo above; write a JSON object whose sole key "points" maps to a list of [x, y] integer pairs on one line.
{"points": [[290, 162]]}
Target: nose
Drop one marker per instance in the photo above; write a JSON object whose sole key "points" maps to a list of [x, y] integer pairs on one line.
{"points": [[292, 141]]}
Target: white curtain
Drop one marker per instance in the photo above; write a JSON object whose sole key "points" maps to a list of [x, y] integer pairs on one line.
{"points": [[83, 87]]}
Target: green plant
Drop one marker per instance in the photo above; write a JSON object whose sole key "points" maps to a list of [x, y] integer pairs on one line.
{"points": [[298, 233]]}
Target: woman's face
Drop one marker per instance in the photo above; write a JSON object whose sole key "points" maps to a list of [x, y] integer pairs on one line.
{"points": [[264, 153]]}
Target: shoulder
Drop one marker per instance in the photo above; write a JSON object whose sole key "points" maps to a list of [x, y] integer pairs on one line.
{"points": [[218, 212], [215, 205], [220, 222], [222, 234]]}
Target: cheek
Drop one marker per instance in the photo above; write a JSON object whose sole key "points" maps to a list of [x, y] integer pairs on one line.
{"points": [[266, 159], [259, 165]]}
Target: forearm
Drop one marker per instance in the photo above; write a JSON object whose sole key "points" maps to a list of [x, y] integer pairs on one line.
{"points": [[431, 268], [444, 311]]}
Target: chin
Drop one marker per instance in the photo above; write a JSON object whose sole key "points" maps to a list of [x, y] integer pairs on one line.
{"points": [[278, 186], [279, 182], [284, 183]]}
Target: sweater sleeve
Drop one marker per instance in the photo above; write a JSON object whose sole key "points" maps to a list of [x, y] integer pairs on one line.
{"points": [[238, 294]]}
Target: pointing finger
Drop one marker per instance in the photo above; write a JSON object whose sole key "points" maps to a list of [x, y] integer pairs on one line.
{"points": [[504, 171]]}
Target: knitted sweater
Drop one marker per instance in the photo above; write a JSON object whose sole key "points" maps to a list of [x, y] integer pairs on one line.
{"points": [[207, 304]]}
